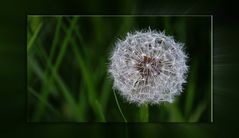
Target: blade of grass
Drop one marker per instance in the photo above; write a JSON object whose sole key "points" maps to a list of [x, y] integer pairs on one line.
{"points": [[107, 85], [100, 111], [70, 100], [181, 30], [99, 27], [106, 89], [191, 89], [65, 91], [53, 48], [56, 37], [118, 105], [144, 113], [81, 41], [175, 113], [48, 105], [195, 116], [96, 106], [31, 62], [66, 41], [45, 88], [34, 37], [127, 24], [82, 101], [167, 26], [89, 83], [66, 94]]}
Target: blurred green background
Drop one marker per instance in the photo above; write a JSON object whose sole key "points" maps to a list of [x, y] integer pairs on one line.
{"points": [[13, 74], [67, 78]]}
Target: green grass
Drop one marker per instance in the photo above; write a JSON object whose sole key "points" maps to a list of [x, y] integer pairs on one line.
{"points": [[118, 105], [144, 113], [67, 61]]}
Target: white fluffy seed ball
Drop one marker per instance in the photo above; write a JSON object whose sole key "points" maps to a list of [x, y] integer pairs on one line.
{"points": [[148, 67]]}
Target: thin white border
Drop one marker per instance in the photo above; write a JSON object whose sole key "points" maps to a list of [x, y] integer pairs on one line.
{"points": [[211, 68], [122, 15], [212, 119]]}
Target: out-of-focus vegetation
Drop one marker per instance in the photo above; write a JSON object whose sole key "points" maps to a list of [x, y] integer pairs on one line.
{"points": [[67, 79]]}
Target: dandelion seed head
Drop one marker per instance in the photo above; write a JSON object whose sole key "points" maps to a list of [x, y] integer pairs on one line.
{"points": [[148, 67]]}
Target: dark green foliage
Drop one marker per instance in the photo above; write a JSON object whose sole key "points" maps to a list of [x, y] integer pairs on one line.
{"points": [[67, 78]]}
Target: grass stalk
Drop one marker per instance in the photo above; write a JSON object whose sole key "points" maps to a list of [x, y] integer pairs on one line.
{"points": [[118, 105], [191, 89], [144, 113], [94, 103], [65, 91], [46, 103], [34, 37], [45, 88]]}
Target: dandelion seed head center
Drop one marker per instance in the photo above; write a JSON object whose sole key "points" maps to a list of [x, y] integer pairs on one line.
{"points": [[148, 66]]}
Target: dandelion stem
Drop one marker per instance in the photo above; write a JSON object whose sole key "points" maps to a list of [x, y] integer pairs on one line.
{"points": [[117, 102], [144, 113]]}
